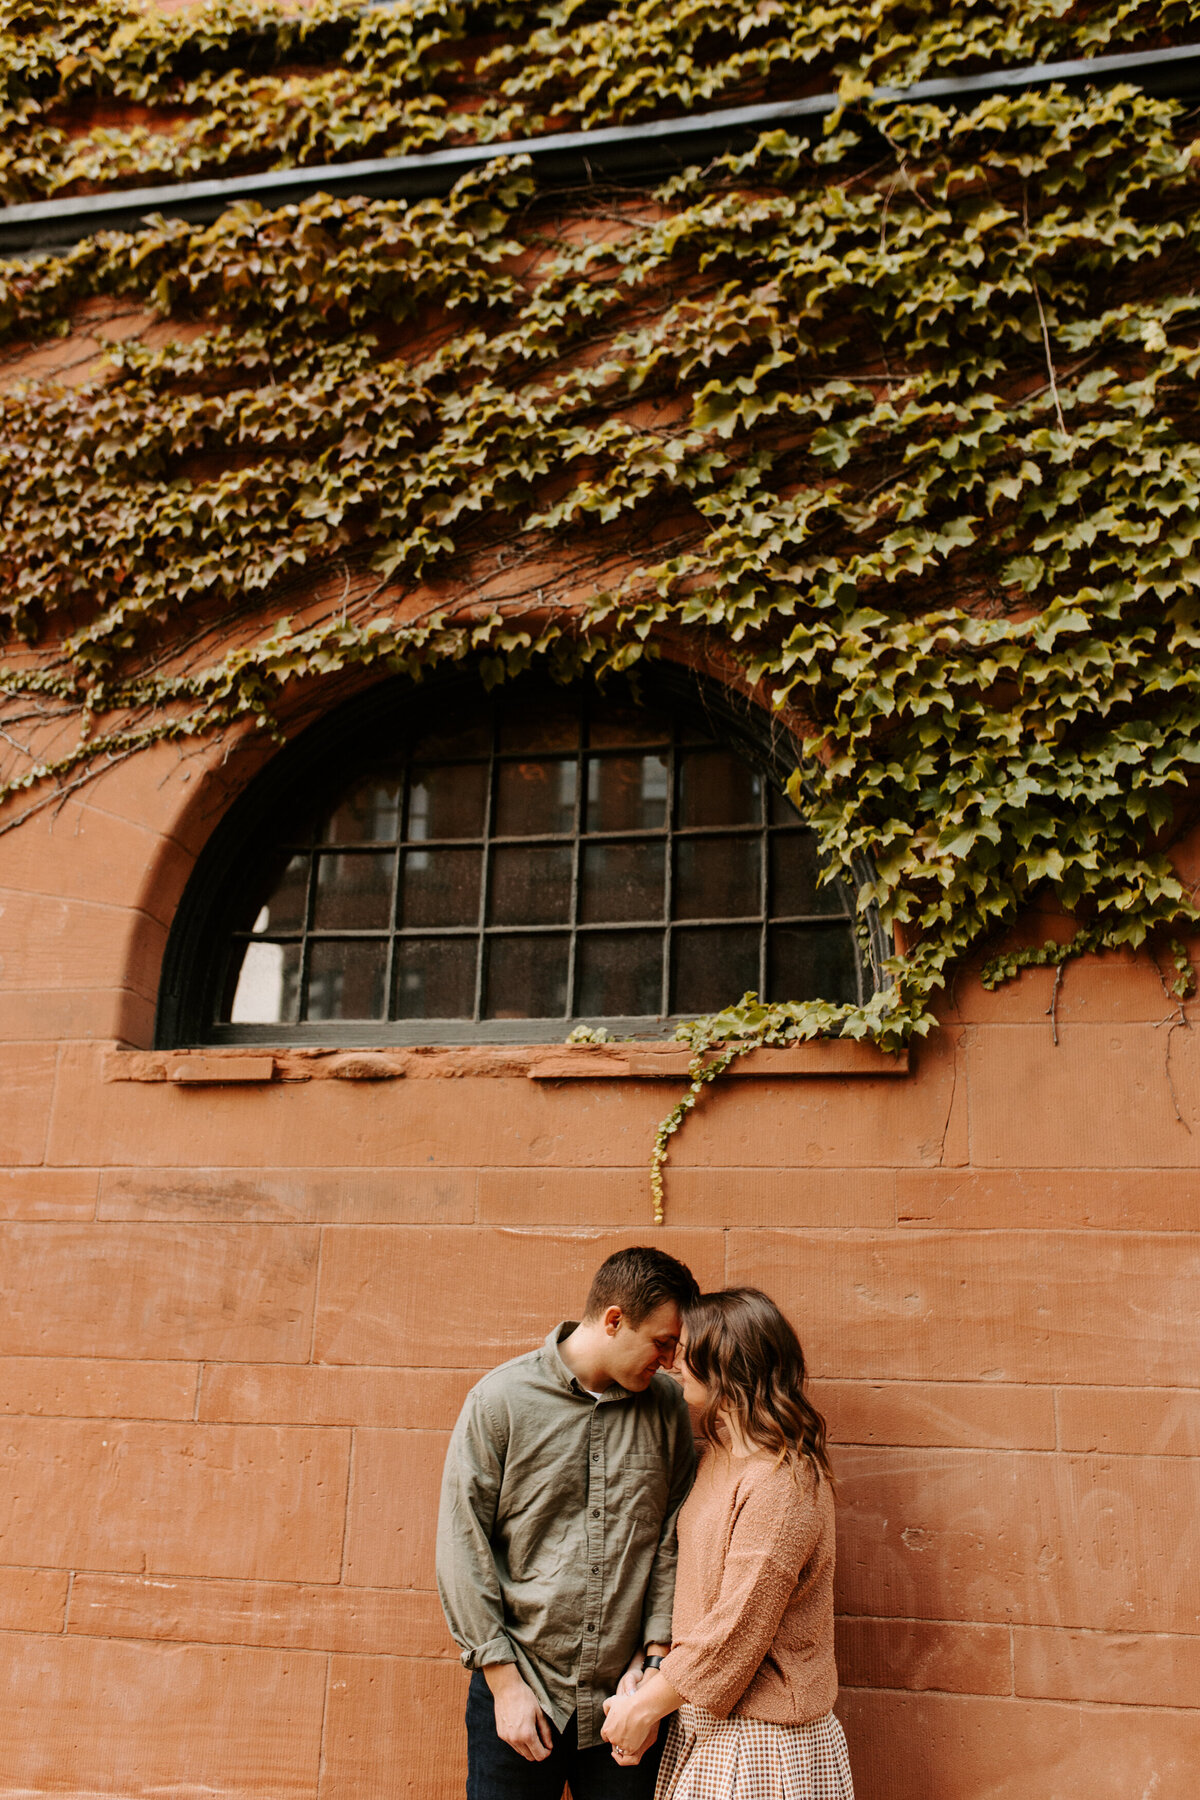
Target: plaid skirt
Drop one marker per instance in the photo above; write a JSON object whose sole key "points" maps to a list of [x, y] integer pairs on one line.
{"points": [[705, 1758]]}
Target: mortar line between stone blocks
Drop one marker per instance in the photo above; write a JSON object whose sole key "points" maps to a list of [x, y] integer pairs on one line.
{"points": [[201, 1367], [324, 1717], [316, 1300], [67, 1601], [1012, 1660], [346, 1508], [52, 1109]]}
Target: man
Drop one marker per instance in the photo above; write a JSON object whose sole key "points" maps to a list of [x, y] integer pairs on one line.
{"points": [[556, 1536]]}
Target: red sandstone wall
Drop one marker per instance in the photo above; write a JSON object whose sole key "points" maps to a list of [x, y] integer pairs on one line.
{"points": [[237, 1323]]}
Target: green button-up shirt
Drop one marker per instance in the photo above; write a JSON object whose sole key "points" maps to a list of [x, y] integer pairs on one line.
{"points": [[556, 1533]]}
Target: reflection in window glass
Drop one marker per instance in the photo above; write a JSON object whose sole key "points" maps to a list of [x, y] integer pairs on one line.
{"points": [[537, 856], [267, 991], [812, 963], [440, 887], [288, 903], [718, 788], [527, 977], [713, 967], [535, 799], [794, 870], [619, 974], [450, 802], [627, 793], [530, 885], [622, 881], [717, 877], [369, 812], [354, 892], [435, 978], [347, 978]]}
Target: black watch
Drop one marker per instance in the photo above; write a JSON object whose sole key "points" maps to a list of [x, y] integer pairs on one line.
{"points": [[651, 1662]]}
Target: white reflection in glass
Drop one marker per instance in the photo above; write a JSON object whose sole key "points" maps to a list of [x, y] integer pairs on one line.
{"points": [[259, 996]]}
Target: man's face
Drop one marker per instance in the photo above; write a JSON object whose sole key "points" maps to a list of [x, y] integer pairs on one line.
{"points": [[636, 1352]]}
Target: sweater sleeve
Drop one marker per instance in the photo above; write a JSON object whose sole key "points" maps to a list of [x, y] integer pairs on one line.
{"points": [[775, 1530]]}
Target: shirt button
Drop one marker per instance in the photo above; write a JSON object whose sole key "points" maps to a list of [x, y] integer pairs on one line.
{"points": [[591, 1628], [595, 1568], [595, 1512], [595, 1456]]}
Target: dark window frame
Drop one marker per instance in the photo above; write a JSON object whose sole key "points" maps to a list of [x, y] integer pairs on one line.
{"points": [[197, 949]]}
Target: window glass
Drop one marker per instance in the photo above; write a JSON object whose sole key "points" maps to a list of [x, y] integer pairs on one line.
{"points": [[540, 856]]}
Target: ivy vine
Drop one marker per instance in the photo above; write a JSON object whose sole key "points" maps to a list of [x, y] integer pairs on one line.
{"points": [[896, 424]]}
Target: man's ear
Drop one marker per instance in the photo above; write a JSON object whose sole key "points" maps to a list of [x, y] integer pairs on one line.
{"points": [[612, 1320]]}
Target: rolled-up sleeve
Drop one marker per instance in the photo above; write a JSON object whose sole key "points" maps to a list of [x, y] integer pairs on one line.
{"points": [[466, 1569], [773, 1536], [660, 1589]]}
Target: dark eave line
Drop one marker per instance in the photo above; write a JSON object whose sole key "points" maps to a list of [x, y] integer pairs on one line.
{"points": [[565, 158]]}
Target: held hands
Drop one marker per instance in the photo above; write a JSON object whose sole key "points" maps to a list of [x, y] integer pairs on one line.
{"points": [[520, 1721], [629, 1734]]}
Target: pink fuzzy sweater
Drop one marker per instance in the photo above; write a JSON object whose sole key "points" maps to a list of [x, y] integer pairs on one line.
{"points": [[753, 1621]]}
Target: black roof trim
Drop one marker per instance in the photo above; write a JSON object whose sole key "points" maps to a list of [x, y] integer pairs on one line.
{"points": [[614, 152]]}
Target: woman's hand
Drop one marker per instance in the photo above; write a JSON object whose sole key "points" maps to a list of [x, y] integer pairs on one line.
{"points": [[630, 1739]]}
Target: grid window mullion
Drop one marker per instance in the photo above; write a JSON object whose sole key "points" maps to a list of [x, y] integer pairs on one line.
{"points": [[669, 872], [485, 875], [581, 767], [310, 901], [600, 974]]}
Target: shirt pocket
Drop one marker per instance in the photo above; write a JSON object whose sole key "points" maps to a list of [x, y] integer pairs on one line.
{"points": [[644, 1485]]}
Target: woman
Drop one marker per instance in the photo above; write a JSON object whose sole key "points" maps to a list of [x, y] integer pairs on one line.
{"points": [[750, 1674]]}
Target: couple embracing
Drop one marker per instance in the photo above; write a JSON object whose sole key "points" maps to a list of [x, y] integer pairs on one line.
{"points": [[598, 1582]]}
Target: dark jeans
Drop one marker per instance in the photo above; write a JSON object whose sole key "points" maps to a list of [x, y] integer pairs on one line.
{"points": [[496, 1772]]}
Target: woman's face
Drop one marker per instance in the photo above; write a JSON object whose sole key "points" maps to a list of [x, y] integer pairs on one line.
{"points": [[694, 1392]]}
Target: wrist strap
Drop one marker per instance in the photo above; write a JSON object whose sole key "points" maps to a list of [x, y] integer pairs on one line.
{"points": [[652, 1662]]}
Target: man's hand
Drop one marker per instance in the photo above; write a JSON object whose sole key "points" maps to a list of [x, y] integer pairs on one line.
{"points": [[629, 1744], [520, 1721]]}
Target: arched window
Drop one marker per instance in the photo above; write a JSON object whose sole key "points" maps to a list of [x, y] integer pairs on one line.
{"points": [[440, 865]]}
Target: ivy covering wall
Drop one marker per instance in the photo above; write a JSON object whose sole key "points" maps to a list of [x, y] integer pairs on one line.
{"points": [[896, 422]]}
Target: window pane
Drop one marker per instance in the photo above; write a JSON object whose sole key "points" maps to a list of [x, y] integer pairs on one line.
{"points": [[713, 967], [552, 724], [626, 793], [618, 974], [717, 878], [535, 798], [447, 802], [435, 978], [265, 988], [285, 909], [354, 892], [461, 734], [780, 810], [627, 725], [527, 977], [531, 885], [718, 788], [794, 867], [622, 881], [812, 962], [346, 978], [440, 887], [369, 812]]}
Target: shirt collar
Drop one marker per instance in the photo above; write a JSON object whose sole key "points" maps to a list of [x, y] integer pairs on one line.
{"points": [[565, 1377]]}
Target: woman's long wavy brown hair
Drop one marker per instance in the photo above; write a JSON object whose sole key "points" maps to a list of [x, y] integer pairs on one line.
{"points": [[740, 1347]]}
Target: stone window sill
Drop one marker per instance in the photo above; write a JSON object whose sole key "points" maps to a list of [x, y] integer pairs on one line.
{"points": [[537, 1062]]}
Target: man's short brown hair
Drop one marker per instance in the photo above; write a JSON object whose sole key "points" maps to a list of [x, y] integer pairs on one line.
{"points": [[639, 1281]]}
